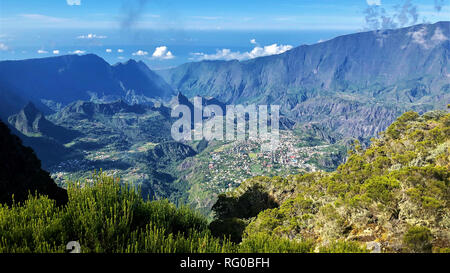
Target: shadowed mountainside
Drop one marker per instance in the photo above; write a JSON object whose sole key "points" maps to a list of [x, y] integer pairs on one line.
{"points": [[21, 173]]}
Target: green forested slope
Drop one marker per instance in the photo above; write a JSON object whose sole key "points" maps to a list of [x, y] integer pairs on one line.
{"points": [[393, 195]]}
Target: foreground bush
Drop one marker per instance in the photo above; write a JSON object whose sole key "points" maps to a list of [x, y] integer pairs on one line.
{"points": [[343, 247], [104, 216], [418, 239], [402, 178], [263, 243]]}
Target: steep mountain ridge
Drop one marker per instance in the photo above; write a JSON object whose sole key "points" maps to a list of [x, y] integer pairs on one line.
{"points": [[367, 78], [31, 122], [87, 109], [140, 81], [69, 78]]}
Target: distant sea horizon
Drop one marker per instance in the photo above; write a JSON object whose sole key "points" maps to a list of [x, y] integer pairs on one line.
{"points": [[182, 44]]}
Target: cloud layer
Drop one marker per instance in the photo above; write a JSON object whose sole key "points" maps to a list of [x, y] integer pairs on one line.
{"points": [[140, 53], [227, 54], [78, 52], [406, 13], [426, 40], [373, 2]]}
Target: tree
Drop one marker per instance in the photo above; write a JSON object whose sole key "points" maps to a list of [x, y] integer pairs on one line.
{"points": [[418, 239]]}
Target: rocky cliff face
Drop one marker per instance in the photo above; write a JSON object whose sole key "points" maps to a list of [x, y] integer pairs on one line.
{"points": [[29, 120], [347, 118], [21, 173], [32, 122], [358, 79]]}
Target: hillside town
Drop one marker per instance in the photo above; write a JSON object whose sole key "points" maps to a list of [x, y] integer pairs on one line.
{"points": [[232, 163]]}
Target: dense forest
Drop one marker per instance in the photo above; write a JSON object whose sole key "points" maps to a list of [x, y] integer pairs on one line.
{"points": [[390, 197]]}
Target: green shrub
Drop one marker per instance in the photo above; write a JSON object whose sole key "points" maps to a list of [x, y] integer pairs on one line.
{"points": [[105, 216], [418, 239], [230, 227], [263, 243], [343, 247], [380, 189]]}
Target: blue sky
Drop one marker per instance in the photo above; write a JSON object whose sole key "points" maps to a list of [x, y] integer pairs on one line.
{"points": [[179, 30]]}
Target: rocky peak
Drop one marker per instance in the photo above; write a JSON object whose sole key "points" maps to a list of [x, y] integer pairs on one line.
{"points": [[28, 120]]}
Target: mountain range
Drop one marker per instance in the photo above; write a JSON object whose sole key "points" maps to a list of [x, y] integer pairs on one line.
{"points": [[320, 191], [80, 113], [355, 84]]}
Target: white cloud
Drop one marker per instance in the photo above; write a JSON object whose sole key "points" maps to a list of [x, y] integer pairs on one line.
{"points": [[207, 17], [3, 47], [439, 36], [40, 51], [373, 2], [92, 36], [108, 50], [73, 2], [162, 52], [43, 18], [269, 50], [253, 41], [140, 53], [120, 50], [227, 54], [221, 54], [56, 51], [420, 37], [78, 52]]}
